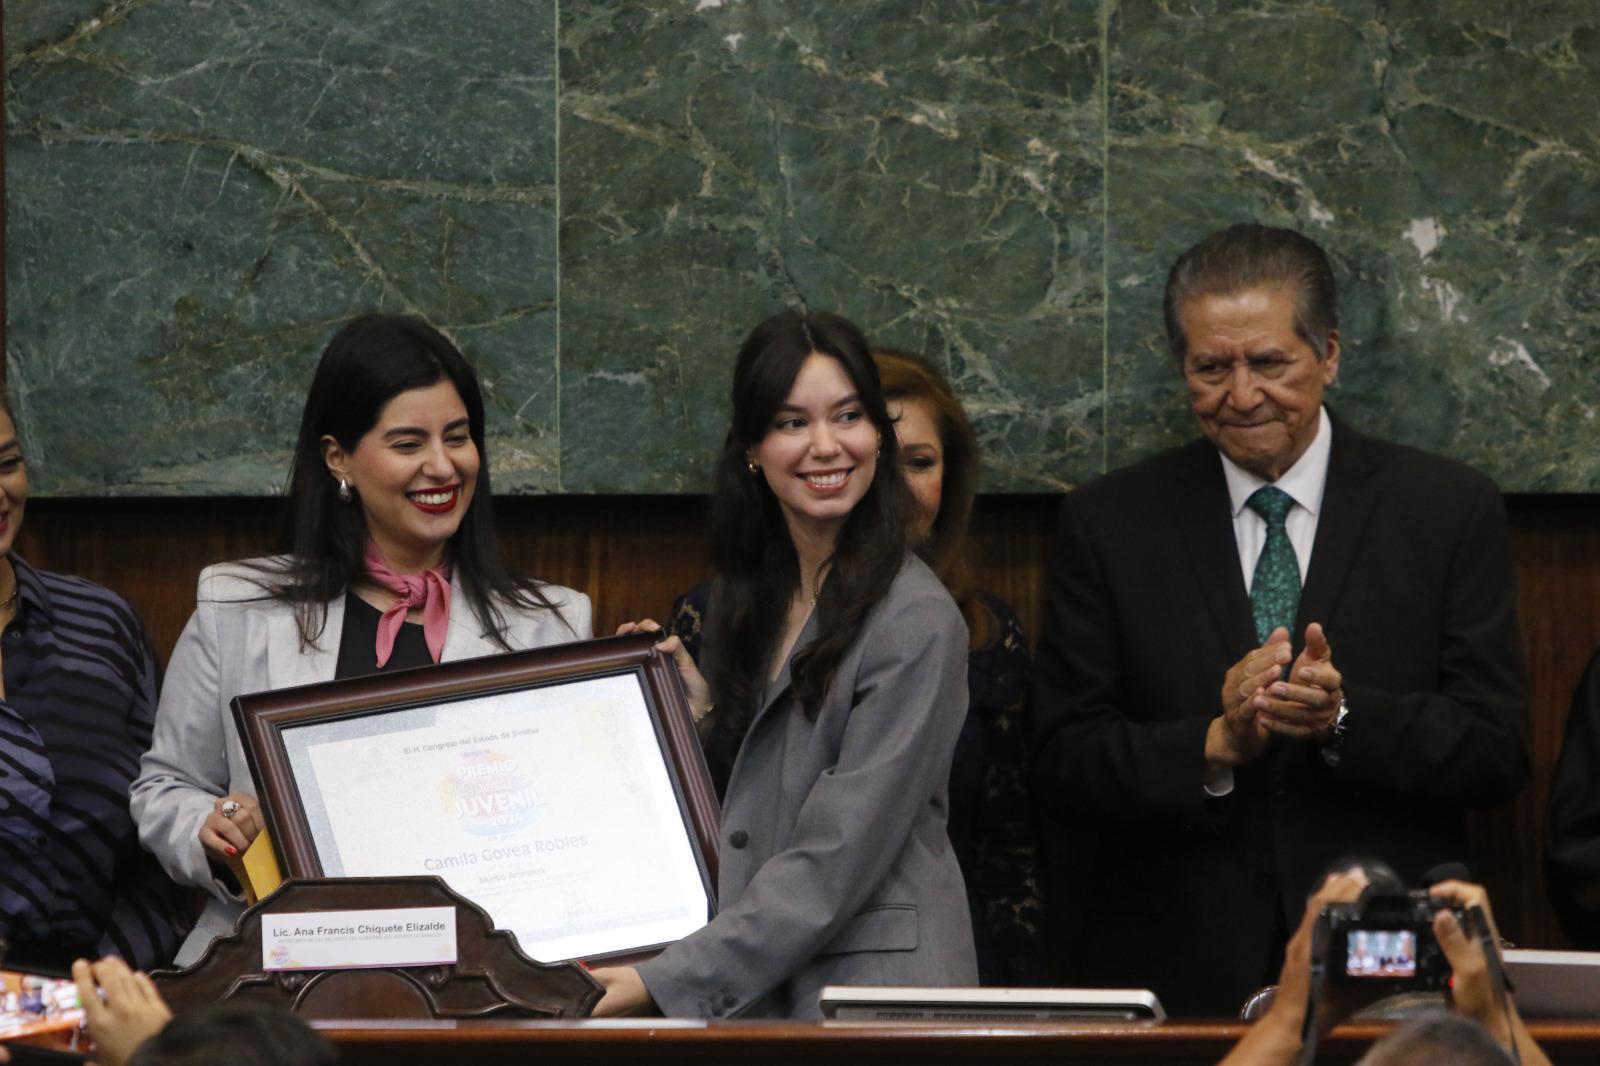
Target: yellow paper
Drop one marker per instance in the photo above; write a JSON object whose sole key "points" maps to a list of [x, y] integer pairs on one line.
{"points": [[261, 874]]}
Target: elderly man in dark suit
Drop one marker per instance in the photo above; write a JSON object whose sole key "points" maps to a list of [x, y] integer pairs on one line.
{"points": [[1278, 645]]}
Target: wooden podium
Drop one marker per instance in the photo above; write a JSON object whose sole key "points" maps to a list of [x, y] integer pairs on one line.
{"points": [[745, 1043], [496, 1005], [491, 979]]}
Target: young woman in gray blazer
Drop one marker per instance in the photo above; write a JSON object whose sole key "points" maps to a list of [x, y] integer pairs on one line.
{"points": [[833, 693], [391, 561]]}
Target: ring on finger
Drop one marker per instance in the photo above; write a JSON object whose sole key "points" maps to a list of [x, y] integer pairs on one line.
{"points": [[230, 808]]}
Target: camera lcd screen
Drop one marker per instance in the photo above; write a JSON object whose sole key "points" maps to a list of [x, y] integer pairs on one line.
{"points": [[39, 1008], [1381, 953]]}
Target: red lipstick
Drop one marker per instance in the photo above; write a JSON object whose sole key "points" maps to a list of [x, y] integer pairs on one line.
{"points": [[454, 495]]}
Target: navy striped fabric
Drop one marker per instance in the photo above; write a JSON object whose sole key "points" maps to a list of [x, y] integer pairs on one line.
{"points": [[80, 699]]}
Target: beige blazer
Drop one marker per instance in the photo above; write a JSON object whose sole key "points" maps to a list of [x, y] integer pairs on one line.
{"points": [[236, 643]]}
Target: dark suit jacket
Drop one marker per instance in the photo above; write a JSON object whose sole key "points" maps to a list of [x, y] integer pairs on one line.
{"points": [[1572, 819], [1410, 576]]}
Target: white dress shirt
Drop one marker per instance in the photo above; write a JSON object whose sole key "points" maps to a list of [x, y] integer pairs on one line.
{"points": [[1304, 482]]}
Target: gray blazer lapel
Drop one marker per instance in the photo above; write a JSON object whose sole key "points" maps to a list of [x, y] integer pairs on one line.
{"points": [[779, 685], [288, 665]]}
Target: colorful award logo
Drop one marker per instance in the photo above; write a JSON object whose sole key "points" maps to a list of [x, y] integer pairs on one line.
{"points": [[487, 793]]}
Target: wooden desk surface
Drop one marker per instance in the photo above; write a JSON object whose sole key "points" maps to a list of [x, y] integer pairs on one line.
{"points": [[846, 1043]]}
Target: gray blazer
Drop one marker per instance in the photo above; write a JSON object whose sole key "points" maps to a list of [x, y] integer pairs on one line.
{"points": [[237, 643], [835, 866]]}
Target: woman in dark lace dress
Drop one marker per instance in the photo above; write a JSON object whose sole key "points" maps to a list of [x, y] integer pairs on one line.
{"points": [[992, 824]]}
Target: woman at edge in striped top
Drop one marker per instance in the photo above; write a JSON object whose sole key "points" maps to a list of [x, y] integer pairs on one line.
{"points": [[76, 710]]}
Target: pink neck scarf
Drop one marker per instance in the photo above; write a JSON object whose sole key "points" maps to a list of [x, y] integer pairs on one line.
{"points": [[429, 590]]}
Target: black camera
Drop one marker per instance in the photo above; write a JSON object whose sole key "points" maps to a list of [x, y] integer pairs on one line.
{"points": [[1385, 940]]}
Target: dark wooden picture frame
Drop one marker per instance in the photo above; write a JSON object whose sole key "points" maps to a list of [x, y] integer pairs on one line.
{"points": [[262, 719]]}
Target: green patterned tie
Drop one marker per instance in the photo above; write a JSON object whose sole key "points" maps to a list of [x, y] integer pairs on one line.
{"points": [[1275, 590]]}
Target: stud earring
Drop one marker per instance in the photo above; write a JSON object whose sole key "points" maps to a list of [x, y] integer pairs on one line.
{"points": [[345, 495], [750, 465]]}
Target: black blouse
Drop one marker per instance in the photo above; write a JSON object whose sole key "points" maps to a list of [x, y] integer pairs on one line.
{"points": [[358, 642]]}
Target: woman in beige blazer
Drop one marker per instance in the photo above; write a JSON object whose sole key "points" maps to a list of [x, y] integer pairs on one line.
{"points": [[391, 562], [833, 693]]}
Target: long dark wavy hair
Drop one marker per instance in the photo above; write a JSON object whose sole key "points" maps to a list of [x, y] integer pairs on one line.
{"points": [[369, 362], [756, 568]]}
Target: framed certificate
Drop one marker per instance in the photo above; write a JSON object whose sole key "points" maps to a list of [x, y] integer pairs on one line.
{"points": [[561, 789]]}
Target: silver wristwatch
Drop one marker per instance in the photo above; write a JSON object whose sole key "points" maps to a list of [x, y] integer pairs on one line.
{"points": [[1333, 744]]}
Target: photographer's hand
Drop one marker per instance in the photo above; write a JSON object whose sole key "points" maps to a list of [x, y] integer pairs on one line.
{"points": [[1475, 988], [1276, 1037], [122, 1006]]}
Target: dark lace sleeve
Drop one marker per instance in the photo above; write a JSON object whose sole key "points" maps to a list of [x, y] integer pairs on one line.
{"points": [[1003, 881], [688, 616]]}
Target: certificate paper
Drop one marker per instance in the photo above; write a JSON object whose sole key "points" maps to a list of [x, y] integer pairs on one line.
{"points": [[549, 807]]}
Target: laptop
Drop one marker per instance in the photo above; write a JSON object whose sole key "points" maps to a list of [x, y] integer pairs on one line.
{"points": [[889, 1003], [1554, 984]]}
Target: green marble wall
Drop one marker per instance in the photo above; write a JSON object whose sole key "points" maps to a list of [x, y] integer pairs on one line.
{"points": [[1447, 156], [198, 194], [599, 197]]}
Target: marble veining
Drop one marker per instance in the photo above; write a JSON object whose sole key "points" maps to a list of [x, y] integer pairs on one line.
{"points": [[929, 169], [199, 194], [598, 198], [1446, 157]]}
